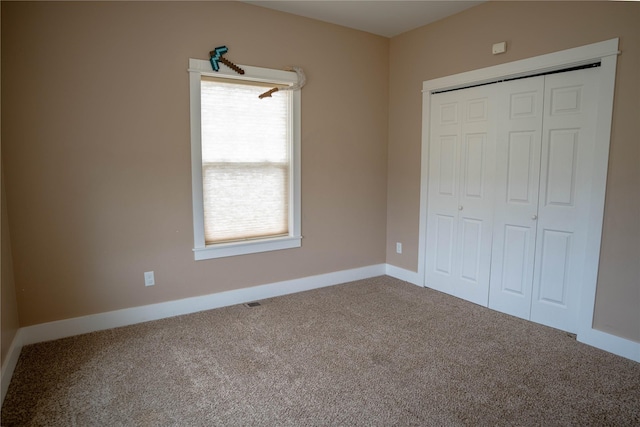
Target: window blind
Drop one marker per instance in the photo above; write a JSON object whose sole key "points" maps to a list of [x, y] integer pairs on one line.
{"points": [[245, 161]]}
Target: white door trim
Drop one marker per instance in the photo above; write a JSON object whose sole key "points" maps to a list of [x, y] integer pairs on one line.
{"points": [[606, 52]]}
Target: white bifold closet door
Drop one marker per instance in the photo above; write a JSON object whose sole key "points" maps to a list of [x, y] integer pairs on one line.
{"points": [[568, 148], [507, 225], [519, 141], [461, 168]]}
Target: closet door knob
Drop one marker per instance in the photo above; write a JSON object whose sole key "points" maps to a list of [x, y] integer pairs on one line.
{"points": [[460, 208], [534, 217]]}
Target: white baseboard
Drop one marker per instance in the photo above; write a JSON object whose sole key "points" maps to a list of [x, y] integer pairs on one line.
{"points": [[402, 274], [10, 363], [611, 343], [129, 316]]}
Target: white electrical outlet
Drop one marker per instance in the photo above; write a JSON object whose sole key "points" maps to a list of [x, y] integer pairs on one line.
{"points": [[149, 280], [398, 247]]}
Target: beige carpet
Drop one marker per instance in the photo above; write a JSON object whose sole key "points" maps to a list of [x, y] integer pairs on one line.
{"points": [[373, 352]]}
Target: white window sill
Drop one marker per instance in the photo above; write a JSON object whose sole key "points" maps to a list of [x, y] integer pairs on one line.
{"points": [[222, 250]]}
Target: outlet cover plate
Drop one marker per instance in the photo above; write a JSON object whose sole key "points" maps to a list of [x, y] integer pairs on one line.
{"points": [[149, 279]]}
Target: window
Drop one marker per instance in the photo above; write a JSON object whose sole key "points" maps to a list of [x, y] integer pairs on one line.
{"points": [[245, 161]]}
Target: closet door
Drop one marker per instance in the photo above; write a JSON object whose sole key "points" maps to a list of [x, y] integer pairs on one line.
{"points": [[519, 135], [531, 144], [460, 201], [568, 145]]}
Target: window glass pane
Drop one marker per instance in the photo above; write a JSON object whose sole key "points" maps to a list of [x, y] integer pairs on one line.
{"points": [[245, 161], [237, 126], [245, 201]]}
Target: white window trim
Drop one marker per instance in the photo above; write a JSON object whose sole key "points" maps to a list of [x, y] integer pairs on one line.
{"points": [[198, 68]]}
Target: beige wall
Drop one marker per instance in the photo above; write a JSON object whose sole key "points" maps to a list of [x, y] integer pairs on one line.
{"points": [[9, 309], [8, 305], [97, 152], [96, 143], [462, 43]]}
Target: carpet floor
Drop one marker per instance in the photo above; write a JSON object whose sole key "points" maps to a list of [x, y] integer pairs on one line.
{"points": [[376, 352]]}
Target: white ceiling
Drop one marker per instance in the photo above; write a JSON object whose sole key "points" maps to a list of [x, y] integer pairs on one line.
{"points": [[386, 18]]}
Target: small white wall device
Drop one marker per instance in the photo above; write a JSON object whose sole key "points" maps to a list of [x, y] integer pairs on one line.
{"points": [[499, 48]]}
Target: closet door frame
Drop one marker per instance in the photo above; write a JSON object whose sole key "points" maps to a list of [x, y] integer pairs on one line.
{"points": [[606, 53]]}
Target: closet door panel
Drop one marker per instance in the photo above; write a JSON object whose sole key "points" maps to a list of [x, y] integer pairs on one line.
{"points": [[460, 201], [447, 151], [516, 270], [522, 160], [470, 249], [565, 190], [561, 165], [445, 227], [444, 172], [474, 167], [520, 105], [476, 198], [554, 261]]}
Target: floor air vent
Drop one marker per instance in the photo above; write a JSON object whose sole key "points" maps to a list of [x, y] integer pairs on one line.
{"points": [[252, 304]]}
